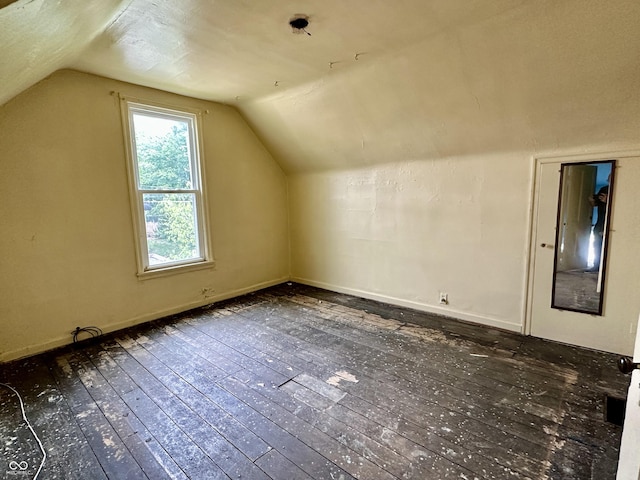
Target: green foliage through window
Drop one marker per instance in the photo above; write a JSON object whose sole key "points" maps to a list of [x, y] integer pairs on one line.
{"points": [[165, 175], [171, 227], [162, 148]]}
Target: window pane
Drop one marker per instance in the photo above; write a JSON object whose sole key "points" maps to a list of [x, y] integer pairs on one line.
{"points": [[170, 222], [162, 152]]}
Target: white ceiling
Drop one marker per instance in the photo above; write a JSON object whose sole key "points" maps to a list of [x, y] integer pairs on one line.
{"points": [[231, 49], [376, 81], [38, 37], [224, 50]]}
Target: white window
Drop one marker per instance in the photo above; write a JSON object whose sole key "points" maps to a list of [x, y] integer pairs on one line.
{"points": [[166, 184]]}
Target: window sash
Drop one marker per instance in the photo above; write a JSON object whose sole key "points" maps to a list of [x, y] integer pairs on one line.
{"points": [[138, 194], [192, 221]]}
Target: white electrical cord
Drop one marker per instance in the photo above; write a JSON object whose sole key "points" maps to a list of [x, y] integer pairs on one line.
{"points": [[24, 416]]}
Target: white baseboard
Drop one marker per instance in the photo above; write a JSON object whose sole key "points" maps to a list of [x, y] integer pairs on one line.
{"points": [[447, 312], [147, 317]]}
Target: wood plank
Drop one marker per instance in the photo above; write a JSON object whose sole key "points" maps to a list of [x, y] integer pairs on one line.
{"points": [[199, 418], [422, 384], [306, 458], [162, 363], [205, 384], [318, 386], [482, 435], [422, 388], [153, 460], [278, 466], [107, 367], [259, 382], [113, 455], [296, 382], [157, 410], [337, 420], [345, 458], [68, 453]]}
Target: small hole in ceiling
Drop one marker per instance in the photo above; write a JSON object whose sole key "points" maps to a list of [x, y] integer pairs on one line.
{"points": [[299, 23]]}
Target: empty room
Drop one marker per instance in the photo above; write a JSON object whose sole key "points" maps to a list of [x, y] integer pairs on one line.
{"points": [[319, 239]]}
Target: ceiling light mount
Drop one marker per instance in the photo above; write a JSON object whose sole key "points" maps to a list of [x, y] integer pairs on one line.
{"points": [[299, 23]]}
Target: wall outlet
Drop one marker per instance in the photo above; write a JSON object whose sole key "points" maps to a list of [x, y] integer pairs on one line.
{"points": [[444, 298]]}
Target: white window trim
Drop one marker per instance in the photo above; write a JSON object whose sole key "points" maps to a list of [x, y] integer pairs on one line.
{"points": [[130, 106]]}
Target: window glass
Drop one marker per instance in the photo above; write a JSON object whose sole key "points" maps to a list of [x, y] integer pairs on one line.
{"points": [[171, 228], [167, 187], [162, 152]]}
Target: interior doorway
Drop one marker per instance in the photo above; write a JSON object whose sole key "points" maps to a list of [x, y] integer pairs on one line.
{"points": [[559, 259]]}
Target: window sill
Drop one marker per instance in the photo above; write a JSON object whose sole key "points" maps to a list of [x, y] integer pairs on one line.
{"points": [[176, 269]]}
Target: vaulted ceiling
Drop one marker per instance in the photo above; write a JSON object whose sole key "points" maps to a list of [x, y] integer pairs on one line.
{"points": [[372, 81]]}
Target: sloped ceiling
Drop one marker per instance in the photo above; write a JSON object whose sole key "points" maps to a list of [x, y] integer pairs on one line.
{"points": [[38, 37], [375, 81], [545, 77]]}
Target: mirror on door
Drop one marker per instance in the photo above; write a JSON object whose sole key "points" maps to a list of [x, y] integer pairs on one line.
{"points": [[581, 236]]}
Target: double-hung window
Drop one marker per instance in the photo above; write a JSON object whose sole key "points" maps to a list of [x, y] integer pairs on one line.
{"points": [[166, 184]]}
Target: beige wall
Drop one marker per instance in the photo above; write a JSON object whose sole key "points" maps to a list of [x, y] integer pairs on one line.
{"points": [[67, 244], [405, 232]]}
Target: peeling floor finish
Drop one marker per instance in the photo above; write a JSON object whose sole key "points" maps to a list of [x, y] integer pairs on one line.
{"points": [[294, 382]]}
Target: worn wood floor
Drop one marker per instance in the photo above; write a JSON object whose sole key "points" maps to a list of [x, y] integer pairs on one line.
{"points": [[299, 383]]}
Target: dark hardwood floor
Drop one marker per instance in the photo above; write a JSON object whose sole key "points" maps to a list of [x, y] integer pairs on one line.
{"points": [[295, 382]]}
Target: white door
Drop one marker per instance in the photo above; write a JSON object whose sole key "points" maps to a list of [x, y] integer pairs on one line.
{"points": [[615, 330], [561, 325], [629, 461]]}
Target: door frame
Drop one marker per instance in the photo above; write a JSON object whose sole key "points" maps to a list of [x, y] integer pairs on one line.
{"points": [[537, 163]]}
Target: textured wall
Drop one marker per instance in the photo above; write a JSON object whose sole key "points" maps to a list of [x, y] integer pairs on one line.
{"points": [[407, 231], [404, 232], [67, 240]]}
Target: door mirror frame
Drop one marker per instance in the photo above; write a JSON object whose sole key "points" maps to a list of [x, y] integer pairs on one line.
{"points": [[578, 284]]}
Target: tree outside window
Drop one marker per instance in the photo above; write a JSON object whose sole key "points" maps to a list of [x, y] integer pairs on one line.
{"points": [[167, 179]]}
